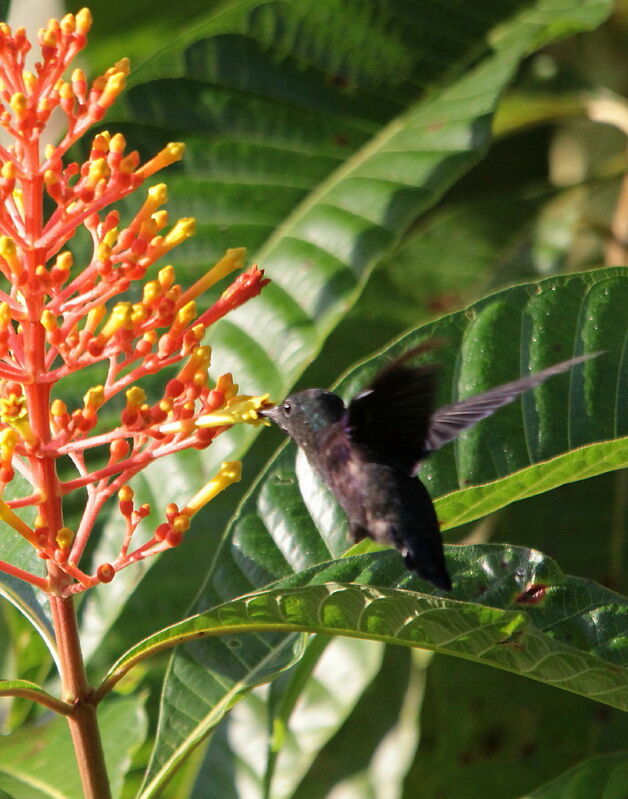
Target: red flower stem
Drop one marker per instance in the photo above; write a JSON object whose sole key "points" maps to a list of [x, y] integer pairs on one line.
{"points": [[88, 519], [129, 467], [14, 571], [76, 690], [95, 503], [11, 374], [139, 372], [59, 230], [148, 549], [23, 502]]}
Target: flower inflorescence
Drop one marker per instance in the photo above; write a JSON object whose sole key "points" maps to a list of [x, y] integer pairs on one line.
{"points": [[57, 319]]}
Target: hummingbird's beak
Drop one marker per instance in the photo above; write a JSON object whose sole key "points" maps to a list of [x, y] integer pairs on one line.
{"points": [[268, 413]]}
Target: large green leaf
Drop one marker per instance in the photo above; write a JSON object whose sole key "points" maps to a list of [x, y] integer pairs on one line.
{"points": [[323, 689], [534, 632], [290, 523], [474, 729], [515, 733], [313, 153], [318, 156]]}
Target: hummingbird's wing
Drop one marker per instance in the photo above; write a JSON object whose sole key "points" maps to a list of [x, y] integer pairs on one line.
{"points": [[447, 422], [391, 416]]}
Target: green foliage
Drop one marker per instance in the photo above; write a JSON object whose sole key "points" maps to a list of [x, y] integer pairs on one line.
{"points": [[354, 149], [41, 763]]}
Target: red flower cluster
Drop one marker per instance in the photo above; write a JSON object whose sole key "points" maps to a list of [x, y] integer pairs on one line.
{"points": [[57, 318]]}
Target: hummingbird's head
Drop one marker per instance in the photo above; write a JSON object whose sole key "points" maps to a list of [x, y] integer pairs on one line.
{"points": [[303, 415]]}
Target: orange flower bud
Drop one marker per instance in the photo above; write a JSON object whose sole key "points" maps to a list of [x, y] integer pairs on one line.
{"points": [[105, 572]]}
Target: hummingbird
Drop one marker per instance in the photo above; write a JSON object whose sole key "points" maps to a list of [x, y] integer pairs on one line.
{"points": [[369, 451]]}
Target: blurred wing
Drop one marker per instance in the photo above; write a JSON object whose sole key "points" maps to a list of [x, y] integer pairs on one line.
{"points": [[447, 422], [391, 416]]}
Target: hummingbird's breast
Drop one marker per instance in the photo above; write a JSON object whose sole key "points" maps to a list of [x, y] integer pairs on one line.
{"points": [[365, 488]]}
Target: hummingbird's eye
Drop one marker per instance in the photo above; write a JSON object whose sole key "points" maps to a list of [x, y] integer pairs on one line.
{"points": [[287, 407]]}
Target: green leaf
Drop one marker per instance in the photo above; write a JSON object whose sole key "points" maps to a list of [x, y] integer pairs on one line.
{"points": [[604, 777], [580, 652], [301, 710], [313, 153], [289, 155], [290, 523], [513, 332], [49, 768], [532, 634], [515, 733], [372, 751]]}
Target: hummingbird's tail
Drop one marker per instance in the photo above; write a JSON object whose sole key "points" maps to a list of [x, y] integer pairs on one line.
{"points": [[435, 572], [417, 534]]}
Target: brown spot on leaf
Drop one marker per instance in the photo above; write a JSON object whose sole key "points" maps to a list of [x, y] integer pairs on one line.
{"points": [[442, 303], [528, 749], [533, 594], [491, 743], [339, 81], [340, 140]]}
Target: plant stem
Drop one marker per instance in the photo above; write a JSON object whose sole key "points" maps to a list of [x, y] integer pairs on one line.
{"points": [[77, 691]]}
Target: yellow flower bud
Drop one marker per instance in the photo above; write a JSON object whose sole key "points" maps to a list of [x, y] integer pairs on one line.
{"points": [[111, 236], [64, 261], [165, 277], [233, 259], [8, 441], [95, 317], [120, 318], [94, 397], [64, 538], [230, 472], [138, 313], [18, 103], [68, 23], [117, 143], [98, 170], [58, 408], [135, 397], [83, 20], [114, 86], [126, 493], [8, 170], [171, 152], [49, 321], [182, 230]]}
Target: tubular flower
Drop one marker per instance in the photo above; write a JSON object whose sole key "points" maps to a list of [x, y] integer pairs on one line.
{"points": [[58, 317]]}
